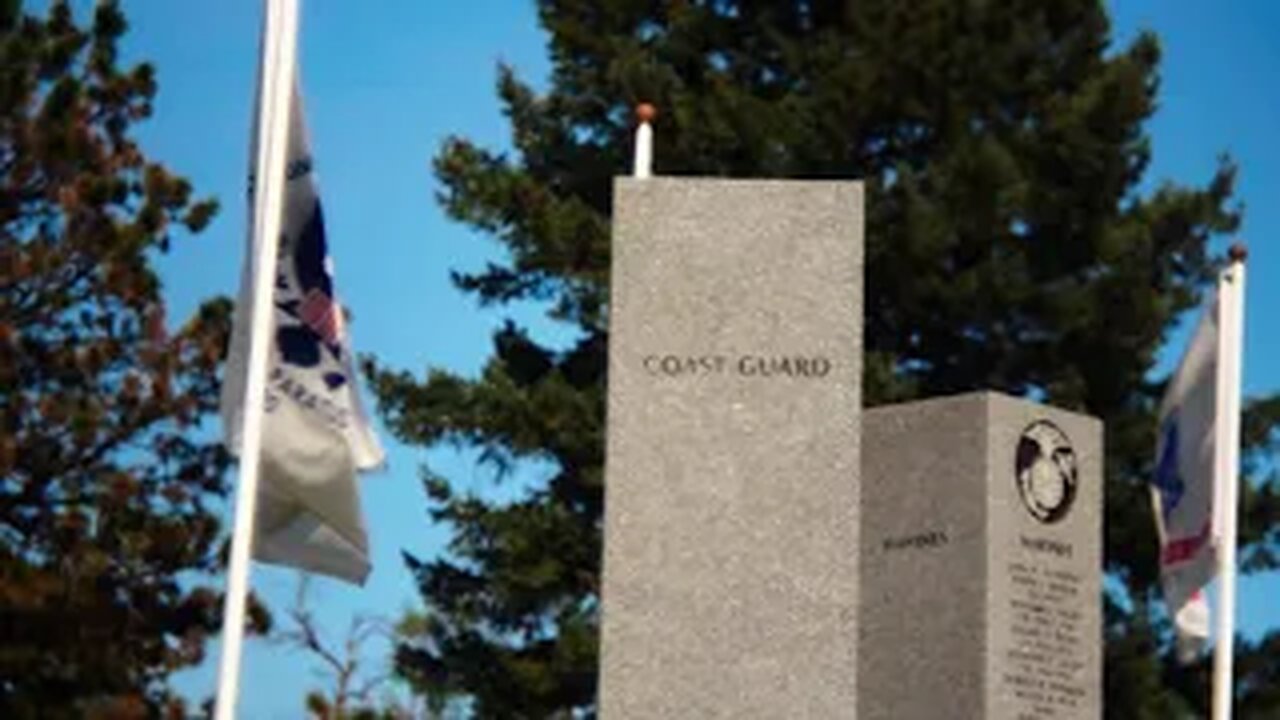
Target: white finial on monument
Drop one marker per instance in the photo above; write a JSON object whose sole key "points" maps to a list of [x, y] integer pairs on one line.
{"points": [[643, 167]]}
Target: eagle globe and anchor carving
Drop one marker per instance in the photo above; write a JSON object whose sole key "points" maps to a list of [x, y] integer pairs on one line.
{"points": [[1046, 471]]}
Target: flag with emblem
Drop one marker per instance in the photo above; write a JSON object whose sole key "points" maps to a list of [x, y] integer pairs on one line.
{"points": [[1184, 484], [1195, 463], [316, 435]]}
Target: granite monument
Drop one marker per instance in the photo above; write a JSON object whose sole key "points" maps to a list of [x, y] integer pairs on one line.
{"points": [[771, 550], [981, 559], [731, 526]]}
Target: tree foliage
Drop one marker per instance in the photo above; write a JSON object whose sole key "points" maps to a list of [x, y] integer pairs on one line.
{"points": [[106, 480], [1010, 245]]}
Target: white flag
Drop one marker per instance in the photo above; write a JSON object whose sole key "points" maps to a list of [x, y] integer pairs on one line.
{"points": [[316, 435], [1185, 486]]}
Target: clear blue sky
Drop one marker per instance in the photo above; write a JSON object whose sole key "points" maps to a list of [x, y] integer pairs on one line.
{"points": [[386, 82]]}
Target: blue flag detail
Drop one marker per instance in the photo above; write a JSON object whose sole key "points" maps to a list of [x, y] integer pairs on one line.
{"points": [[1168, 479]]}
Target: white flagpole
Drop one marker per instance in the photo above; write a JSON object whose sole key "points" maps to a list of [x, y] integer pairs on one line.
{"points": [[642, 166], [279, 51], [1231, 351]]}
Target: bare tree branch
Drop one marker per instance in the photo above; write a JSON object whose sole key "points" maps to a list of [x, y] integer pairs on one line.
{"points": [[343, 667]]}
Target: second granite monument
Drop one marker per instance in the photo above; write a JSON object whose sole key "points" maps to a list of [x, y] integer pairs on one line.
{"points": [[981, 562]]}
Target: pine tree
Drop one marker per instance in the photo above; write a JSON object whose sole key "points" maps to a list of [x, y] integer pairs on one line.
{"points": [[1008, 247], [107, 480]]}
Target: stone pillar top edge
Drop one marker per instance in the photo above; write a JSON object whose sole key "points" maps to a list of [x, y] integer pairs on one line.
{"points": [[713, 179], [987, 396]]}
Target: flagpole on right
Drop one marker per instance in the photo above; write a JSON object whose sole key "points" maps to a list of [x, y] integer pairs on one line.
{"points": [[279, 49], [1231, 352]]}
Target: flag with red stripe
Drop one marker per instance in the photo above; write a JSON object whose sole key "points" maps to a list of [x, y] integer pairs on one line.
{"points": [[1184, 486]]}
